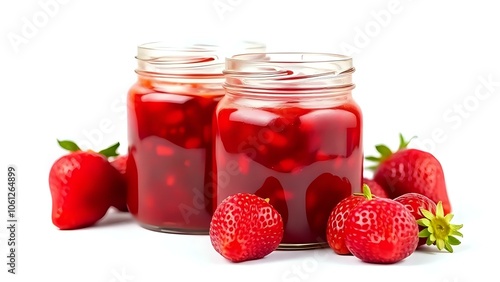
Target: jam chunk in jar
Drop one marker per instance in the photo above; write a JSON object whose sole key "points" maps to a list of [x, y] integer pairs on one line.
{"points": [[289, 130], [170, 110]]}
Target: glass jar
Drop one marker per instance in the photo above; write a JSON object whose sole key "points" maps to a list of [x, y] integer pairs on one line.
{"points": [[170, 110], [289, 130]]}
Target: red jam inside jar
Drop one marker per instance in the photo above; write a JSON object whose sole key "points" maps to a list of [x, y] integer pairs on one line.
{"points": [[170, 110], [289, 130]]}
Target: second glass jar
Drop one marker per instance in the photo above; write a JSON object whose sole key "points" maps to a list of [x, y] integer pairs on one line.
{"points": [[288, 129]]}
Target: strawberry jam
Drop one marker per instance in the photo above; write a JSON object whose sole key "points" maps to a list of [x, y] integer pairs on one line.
{"points": [[170, 149], [170, 110], [293, 138]]}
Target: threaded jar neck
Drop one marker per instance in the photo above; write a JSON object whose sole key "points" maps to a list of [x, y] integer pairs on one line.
{"points": [[189, 60], [283, 74]]}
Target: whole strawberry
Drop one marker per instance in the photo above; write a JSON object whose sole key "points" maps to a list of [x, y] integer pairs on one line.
{"points": [[414, 202], [410, 171], [380, 230], [81, 186], [245, 227], [335, 235], [119, 200], [376, 189]]}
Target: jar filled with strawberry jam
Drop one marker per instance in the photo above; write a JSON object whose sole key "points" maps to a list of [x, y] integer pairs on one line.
{"points": [[170, 110], [288, 129]]}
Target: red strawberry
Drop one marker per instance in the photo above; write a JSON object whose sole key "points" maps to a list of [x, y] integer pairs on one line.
{"points": [[380, 230], [335, 234], [375, 188], [81, 185], [120, 195], [414, 202], [410, 171], [245, 227]]}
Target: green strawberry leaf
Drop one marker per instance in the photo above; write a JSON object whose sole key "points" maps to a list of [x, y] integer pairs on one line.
{"points": [[424, 233], [448, 247], [68, 145], [403, 144], [373, 159], [383, 150], [110, 151], [453, 241]]}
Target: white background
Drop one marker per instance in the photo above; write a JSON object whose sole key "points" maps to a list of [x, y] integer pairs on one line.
{"points": [[420, 71]]}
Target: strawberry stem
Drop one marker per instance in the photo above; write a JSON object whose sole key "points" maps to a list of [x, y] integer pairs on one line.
{"points": [[438, 229], [367, 192]]}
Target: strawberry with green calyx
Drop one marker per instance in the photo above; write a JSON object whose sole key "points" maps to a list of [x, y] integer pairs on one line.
{"points": [[385, 152], [438, 229], [380, 230], [82, 184], [117, 161], [410, 171]]}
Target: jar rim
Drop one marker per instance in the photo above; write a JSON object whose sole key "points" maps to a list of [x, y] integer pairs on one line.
{"points": [[268, 57]]}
